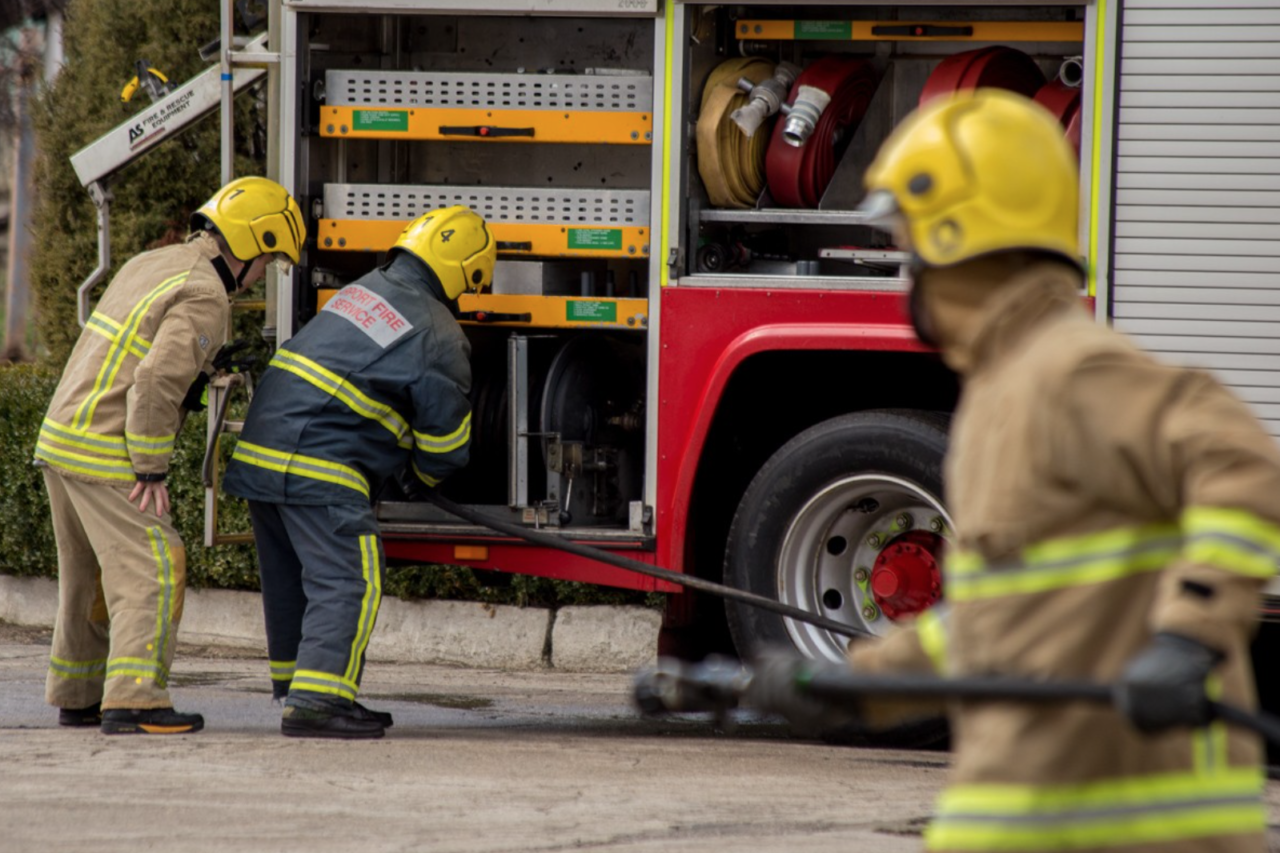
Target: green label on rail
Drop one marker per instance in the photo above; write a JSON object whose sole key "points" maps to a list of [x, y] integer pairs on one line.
{"points": [[824, 30], [591, 312], [595, 238], [397, 120]]}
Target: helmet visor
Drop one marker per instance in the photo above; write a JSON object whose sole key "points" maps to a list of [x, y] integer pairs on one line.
{"points": [[880, 210]]}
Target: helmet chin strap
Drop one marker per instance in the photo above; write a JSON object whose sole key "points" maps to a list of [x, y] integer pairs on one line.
{"points": [[229, 279]]}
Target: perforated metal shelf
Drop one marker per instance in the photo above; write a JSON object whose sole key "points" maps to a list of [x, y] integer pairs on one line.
{"points": [[604, 108], [440, 90], [527, 220]]}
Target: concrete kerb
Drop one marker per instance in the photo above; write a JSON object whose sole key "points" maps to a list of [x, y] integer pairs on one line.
{"points": [[459, 633]]}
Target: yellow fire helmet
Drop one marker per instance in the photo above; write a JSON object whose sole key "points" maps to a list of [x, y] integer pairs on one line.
{"points": [[981, 171], [256, 216], [455, 242]]}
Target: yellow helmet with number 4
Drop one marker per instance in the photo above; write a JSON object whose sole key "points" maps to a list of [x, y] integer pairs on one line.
{"points": [[978, 172], [256, 216], [455, 242]]}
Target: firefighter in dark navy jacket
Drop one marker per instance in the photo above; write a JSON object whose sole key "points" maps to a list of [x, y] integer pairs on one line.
{"points": [[377, 381]]}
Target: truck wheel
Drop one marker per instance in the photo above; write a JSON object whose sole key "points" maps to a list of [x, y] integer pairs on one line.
{"points": [[845, 520]]}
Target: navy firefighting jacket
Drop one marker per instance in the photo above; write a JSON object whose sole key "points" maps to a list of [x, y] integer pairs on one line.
{"points": [[377, 380]]}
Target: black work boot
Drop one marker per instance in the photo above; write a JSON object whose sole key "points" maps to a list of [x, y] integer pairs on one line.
{"points": [[149, 721], [81, 717], [309, 722], [360, 712]]}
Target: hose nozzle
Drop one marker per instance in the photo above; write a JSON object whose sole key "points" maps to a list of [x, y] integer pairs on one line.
{"points": [[764, 98], [673, 686], [804, 114]]}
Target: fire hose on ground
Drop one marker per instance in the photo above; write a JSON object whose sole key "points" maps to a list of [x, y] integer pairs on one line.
{"points": [[718, 685]]}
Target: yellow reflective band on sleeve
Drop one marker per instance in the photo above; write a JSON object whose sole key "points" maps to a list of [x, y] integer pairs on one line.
{"points": [[106, 327], [74, 669], [932, 632], [1060, 563], [105, 445], [301, 466], [148, 445], [371, 571], [323, 682], [334, 385], [426, 478], [1233, 540], [444, 443], [125, 340], [79, 463], [1132, 811]]}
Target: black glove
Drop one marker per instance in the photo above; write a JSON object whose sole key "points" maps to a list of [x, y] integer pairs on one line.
{"points": [[1164, 684], [197, 399], [226, 362], [777, 687]]}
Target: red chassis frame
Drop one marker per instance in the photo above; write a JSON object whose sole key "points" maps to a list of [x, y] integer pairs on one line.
{"points": [[705, 335]]}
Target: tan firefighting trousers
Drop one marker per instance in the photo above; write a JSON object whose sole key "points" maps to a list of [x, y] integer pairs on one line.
{"points": [[121, 578]]}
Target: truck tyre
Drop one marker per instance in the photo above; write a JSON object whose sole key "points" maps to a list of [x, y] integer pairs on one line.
{"points": [[846, 520]]}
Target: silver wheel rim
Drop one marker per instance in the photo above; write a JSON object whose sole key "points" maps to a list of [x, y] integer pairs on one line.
{"points": [[836, 533]]}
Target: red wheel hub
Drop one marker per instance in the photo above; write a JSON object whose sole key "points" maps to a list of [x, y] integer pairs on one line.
{"points": [[906, 578]]}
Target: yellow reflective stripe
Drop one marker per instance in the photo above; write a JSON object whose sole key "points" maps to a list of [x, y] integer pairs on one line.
{"points": [[164, 577], [334, 385], [302, 466], [426, 478], [933, 638], [150, 445], [1059, 563], [107, 445], [444, 443], [323, 682], [1184, 823], [92, 466], [1233, 540], [282, 670], [1209, 744], [64, 668], [124, 341], [371, 570], [1134, 810], [108, 328], [668, 122], [138, 668]]}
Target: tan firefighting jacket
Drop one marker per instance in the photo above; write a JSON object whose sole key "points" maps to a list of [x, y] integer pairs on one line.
{"points": [[117, 408], [1098, 496]]}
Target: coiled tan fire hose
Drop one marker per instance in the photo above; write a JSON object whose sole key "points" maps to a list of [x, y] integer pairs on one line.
{"points": [[730, 162]]}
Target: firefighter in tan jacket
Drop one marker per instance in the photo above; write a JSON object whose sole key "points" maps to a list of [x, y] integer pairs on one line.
{"points": [[1116, 518], [143, 359]]}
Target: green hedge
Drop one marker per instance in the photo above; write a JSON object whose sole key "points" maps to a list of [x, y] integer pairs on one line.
{"points": [[26, 536]]}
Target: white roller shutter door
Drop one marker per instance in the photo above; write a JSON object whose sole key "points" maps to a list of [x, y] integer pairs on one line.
{"points": [[1197, 230]]}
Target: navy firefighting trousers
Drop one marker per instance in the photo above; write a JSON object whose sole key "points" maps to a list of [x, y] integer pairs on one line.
{"points": [[322, 570]]}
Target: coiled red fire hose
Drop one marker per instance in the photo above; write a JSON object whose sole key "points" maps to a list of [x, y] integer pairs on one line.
{"points": [[798, 175]]}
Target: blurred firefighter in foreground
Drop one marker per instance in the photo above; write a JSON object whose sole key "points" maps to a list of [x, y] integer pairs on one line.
{"points": [[143, 360], [1116, 519], [378, 381]]}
